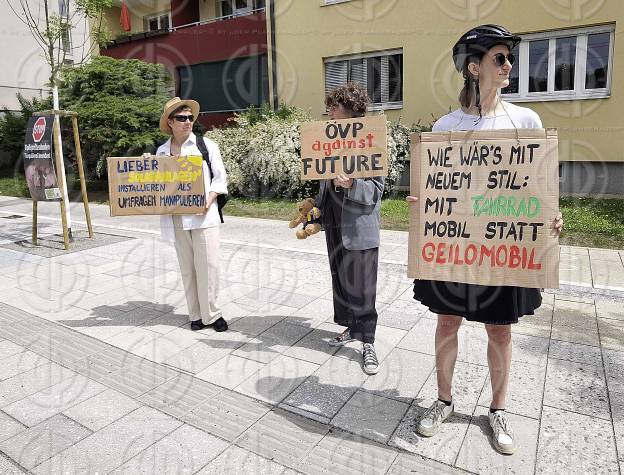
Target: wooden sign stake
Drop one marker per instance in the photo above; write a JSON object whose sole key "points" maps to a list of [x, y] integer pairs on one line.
{"points": [[34, 223], [83, 184], [57, 154]]}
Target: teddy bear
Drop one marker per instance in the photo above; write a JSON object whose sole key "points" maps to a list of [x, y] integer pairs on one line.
{"points": [[308, 215]]}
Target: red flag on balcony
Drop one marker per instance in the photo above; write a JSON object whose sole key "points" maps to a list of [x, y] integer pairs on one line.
{"points": [[124, 20]]}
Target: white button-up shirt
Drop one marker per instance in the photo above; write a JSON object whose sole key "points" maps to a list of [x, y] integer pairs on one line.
{"points": [[216, 183]]}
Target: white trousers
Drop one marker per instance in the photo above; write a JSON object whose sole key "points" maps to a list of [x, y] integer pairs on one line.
{"points": [[198, 256]]}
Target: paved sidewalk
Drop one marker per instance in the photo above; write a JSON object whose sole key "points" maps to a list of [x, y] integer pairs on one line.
{"points": [[582, 269], [99, 369], [73, 404]]}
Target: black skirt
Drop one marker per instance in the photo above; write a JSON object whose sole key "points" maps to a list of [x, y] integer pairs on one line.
{"points": [[496, 305]]}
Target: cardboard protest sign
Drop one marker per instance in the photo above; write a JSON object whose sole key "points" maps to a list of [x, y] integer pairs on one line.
{"points": [[156, 185], [356, 147], [39, 159], [487, 202]]}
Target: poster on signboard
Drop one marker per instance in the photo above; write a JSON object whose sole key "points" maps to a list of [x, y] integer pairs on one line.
{"points": [[157, 184], [487, 203], [39, 159], [355, 147]]}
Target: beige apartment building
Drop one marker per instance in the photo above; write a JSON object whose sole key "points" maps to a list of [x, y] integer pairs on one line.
{"points": [[21, 61], [570, 68], [230, 54]]}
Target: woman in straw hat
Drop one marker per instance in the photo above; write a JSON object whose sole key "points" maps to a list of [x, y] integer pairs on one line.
{"points": [[196, 237]]}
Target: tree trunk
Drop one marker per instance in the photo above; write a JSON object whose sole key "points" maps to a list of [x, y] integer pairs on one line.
{"points": [[56, 106]]}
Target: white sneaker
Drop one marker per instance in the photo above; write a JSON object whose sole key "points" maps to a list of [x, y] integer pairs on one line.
{"points": [[502, 432], [430, 423]]}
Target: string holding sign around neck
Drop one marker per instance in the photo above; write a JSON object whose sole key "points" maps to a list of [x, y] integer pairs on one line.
{"points": [[510, 120]]}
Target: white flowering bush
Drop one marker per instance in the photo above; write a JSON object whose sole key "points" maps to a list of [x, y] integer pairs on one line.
{"points": [[261, 153], [399, 140]]}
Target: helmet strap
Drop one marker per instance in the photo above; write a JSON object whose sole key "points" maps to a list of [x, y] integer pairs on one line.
{"points": [[478, 97]]}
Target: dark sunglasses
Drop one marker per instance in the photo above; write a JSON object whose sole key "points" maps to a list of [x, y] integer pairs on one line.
{"points": [[184, 118], [500, 59]]}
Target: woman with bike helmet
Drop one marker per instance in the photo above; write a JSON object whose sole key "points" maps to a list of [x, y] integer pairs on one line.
{"points": [[483, 56]]}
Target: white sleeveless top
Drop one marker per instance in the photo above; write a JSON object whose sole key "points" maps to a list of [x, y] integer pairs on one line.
{"points": [[516, 117]]}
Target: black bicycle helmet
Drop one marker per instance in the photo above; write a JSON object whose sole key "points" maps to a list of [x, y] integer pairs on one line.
{"points": [[479, 40]]}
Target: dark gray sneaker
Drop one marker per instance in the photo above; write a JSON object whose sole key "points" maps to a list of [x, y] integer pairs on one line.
{"points": [[371, 364], [342, 339]]}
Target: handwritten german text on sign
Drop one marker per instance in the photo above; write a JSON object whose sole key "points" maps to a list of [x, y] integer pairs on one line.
{"points": [[39, 159], [156, 185], [487, 202], [353, 147]]}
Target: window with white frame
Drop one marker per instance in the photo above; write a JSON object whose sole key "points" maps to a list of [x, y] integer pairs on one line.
{"points": [[63, 8], [563, 65], [162, 21], [66, 43], [380, 73], [227, 8]]}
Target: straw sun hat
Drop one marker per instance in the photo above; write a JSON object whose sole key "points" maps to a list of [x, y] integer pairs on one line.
{"points": [[172, 105]]}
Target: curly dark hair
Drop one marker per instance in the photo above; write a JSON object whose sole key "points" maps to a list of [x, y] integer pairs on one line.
{"points": [[352, 96]]}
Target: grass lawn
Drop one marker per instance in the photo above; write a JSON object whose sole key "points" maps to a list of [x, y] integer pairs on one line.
{"points": [[588, 222], [593, 222], [13, 186], [394, 212]]}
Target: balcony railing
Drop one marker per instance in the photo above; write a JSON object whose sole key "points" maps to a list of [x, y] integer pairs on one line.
{"points": [[148, 34], [220, 18]]}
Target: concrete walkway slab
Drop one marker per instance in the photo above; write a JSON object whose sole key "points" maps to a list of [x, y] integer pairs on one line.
{"points": [[185, 450], [237, 460], [9, 426], [348, 454], [477, 456], [283, 437], [223, 388], [578, 388], [123, 440], [102, 409], [374, 417], [568, 440], [33, 446]]}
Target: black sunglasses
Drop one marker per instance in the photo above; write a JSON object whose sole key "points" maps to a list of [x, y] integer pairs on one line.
{"points": [[500, 59], [184, 118]]}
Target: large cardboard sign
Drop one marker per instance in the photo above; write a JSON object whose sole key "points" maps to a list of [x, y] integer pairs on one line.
{"points": [[39, 159], [156, 185], [356, 147], [487, 201]]}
